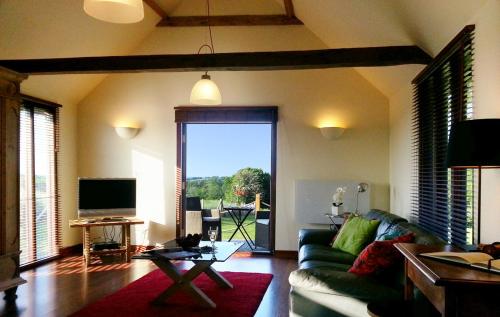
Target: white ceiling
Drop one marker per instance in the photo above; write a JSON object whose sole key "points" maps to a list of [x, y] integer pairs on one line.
{"points": [[58, 28], [429, 24]]}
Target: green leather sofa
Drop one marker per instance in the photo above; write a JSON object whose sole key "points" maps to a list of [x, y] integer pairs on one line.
{"points": [[323, 287]]}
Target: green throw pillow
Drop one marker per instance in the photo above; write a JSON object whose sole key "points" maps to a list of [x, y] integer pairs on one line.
{"points": [[355, 234]]}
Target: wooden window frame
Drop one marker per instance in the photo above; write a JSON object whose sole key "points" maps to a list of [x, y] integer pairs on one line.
{"points": [[224, 115], [54, 108]]}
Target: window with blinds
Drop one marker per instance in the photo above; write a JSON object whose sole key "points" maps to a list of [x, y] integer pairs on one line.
{"points": [[444, 199], [39, 205]]}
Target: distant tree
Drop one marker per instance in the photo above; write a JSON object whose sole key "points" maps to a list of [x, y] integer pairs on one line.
{"points": [[266, 192], [213, 188], [206, 187], [248, 182], [227, 189], [195, 187], [241, 187]]}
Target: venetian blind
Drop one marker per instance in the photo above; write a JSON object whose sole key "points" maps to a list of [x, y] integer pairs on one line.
{"points": [[39, 199], [443, 199]]}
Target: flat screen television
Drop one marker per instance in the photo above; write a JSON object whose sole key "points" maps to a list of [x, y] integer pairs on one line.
{"points": [[106, 197]]}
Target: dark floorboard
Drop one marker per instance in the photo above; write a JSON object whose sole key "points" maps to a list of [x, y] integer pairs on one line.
{"points": [[64, 286]]}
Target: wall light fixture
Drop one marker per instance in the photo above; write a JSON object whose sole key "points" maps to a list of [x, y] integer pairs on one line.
{"points": [[332, 133], [127, 132]]}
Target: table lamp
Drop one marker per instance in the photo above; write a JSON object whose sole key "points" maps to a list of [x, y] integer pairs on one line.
{"points": [[362, 187], [474, 144]]}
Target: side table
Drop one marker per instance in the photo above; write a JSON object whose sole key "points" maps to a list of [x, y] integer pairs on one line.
{"points": [[454, 290], [239, 215], [337, 220]]}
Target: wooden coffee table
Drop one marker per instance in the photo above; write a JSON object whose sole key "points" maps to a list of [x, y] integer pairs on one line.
{"points": [[203, 264]]}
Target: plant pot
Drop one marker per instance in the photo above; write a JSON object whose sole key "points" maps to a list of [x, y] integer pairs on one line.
{"points": [[337, 210]]}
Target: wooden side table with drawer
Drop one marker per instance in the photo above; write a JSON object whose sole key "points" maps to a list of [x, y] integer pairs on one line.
{"points": [[454, 290]]}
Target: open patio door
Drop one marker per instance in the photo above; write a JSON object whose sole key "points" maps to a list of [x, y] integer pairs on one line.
{"points": [[187, 118]]}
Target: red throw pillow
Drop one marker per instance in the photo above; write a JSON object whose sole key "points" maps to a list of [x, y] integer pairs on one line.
{"points": [[379, 256]]}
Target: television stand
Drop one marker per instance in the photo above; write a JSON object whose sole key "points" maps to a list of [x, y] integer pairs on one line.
{"points": [[112, 219], [86, 225]]}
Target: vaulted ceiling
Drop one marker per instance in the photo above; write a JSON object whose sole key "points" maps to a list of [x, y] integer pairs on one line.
{"points": [[60, 28], [429, 24]]}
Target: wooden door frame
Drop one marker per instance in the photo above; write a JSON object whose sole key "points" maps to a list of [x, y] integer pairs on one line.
{"points": [[223, 115]]}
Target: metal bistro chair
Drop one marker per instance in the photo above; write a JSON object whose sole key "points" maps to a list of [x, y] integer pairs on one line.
{"points": [[262, 229], [209, 218]]}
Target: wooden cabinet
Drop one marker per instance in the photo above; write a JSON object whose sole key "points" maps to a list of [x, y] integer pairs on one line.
{"points": [[9, 182]]}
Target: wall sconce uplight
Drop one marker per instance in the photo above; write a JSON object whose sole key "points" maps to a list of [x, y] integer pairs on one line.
{"points": [[332, 133], [126, 132]]}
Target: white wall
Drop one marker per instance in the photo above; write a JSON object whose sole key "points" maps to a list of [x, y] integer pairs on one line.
{"points": [[305, 99], [68, 173], [60, 28], [486, 105], [401, 162]]}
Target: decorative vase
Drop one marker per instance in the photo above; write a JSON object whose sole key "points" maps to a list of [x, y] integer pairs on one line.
{"points": [[337, 210]]}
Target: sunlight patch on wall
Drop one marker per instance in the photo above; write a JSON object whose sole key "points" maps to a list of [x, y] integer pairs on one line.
{"points": [[330, 122], [149, 172], [328, 117]]}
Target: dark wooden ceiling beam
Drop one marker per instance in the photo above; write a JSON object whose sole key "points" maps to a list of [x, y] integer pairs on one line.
{"points": [[252, 61], [156, 8], [229, 20], [226, 20], [290, 12]]}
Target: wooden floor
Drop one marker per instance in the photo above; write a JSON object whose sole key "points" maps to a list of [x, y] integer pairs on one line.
{"points": [[63, 287]]}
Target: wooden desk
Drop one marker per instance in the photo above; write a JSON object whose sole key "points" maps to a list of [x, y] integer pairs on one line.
{"points": [[88, 252], [454, 290]]}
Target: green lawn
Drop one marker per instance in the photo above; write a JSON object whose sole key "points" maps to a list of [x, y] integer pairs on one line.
{"points": [[210, 203], [228, 227]]}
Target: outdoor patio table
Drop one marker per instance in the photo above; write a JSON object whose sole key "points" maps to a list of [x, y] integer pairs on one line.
{"points": [[239, 215]]}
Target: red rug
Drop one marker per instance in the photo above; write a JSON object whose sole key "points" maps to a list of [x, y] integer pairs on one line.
{"points": [[135, 299]]}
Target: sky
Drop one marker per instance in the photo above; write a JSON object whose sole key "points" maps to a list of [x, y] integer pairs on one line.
{"points": [[223, 149]]}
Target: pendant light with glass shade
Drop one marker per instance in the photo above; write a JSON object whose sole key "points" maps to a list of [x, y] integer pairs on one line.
{"points": [[205, 91], [115, 11]]}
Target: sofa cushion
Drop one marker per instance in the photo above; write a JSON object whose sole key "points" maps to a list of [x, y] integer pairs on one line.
{"points": [[343, 284], [379, 256], [422, 236], [316, 252], [313, 264], [387, 220], [393, 232], [355, 234]]}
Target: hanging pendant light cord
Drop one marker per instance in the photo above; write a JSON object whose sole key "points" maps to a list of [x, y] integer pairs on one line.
{"points": [[211, 45]]}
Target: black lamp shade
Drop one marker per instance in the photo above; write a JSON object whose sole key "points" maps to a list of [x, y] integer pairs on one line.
{"points": [[474, 143]]}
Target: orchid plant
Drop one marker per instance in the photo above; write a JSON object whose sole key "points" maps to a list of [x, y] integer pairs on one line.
{"points": [[338, 196]]}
